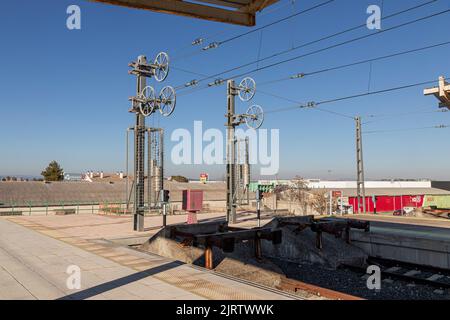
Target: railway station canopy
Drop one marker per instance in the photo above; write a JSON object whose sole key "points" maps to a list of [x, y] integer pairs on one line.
{"points": [[240, 12]]}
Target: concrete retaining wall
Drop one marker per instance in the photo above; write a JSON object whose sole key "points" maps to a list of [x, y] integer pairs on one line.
{"points": [[300, 247], [406, 246]]}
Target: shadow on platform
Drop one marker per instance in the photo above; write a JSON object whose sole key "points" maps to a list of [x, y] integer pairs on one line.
{"points": [[107, 286]]}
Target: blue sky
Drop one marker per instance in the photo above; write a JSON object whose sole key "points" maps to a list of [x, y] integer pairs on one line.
{"points": [[64, 93]]}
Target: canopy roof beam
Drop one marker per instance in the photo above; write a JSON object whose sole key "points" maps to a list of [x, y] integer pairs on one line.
{"points": [[240, 12]]}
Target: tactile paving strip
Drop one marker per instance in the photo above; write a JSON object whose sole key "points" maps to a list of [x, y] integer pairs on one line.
{"points": [[203, 287]]}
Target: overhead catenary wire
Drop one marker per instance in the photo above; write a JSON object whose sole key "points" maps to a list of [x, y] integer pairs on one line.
{"points": [[373, 131], [404, 114], [346, 42], [216, 44], [298, 103], [313, 104], [376, 92], [323, 39], [328, 47], [371, 115], [317, 6], [188, 71], [440, 126], [348, 65], [201, 39], [329, 69]]}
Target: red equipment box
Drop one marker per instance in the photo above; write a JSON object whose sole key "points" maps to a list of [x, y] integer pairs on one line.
{"points": [[192, 200]]}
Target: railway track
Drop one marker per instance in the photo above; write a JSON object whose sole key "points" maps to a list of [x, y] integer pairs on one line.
{"points": [[409, 272], [292, 285]]}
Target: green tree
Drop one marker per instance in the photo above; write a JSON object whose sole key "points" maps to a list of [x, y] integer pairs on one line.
{"points": [[53, 172], [180, 179]]}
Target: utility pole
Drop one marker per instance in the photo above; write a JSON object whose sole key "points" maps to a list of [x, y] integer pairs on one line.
{"points": [[144, 104], [231, 152], [254, 118], [360, 187], [139, 156], [441, 92]]}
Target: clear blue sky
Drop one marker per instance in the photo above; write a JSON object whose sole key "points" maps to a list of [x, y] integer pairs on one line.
{"points": [[64, 93]]}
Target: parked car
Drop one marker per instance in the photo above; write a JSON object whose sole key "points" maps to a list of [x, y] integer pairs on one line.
{"points": [[399, 213]]}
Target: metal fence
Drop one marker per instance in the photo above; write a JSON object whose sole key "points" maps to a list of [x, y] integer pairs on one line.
{"points": [[29, 208], [64, 207]]}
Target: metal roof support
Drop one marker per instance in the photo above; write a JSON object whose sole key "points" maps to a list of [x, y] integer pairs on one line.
{"points": [[240, 12]]}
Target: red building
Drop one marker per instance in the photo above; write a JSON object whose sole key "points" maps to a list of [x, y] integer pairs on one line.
{"points": [[389, 203]]}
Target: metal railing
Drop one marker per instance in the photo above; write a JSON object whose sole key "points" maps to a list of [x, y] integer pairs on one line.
{"points": [[29, 208], [70, 207]]}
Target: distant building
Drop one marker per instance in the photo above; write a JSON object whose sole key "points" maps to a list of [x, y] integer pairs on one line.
{"points": [[204, 177], [381, 196], [72, 177]]}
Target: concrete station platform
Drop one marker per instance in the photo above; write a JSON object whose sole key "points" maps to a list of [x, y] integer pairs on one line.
{"points": [[423, 241], [35, 253]]}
